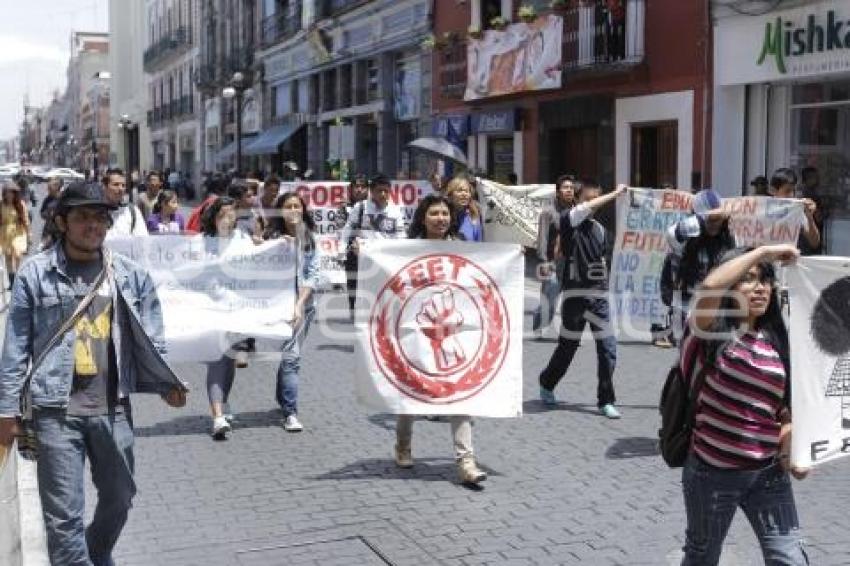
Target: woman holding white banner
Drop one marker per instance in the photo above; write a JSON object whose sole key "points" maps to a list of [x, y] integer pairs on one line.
{"points": [[434, 220], [469, 220], [739, 455], [295, 223], [219, 229]]}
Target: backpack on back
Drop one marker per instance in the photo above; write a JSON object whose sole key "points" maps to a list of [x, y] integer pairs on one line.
{"points": [[678, 407]]}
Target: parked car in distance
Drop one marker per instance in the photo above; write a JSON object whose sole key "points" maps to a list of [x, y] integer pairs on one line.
{"points": [[64, 173]]}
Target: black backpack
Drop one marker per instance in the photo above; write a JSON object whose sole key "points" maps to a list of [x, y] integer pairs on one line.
{"points": [[678, 407]]}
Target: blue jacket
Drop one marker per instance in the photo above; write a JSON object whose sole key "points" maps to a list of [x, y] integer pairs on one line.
{"points": [[42, 298]]}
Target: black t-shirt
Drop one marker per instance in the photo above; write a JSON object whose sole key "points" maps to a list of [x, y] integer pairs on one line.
{"points": [[586, 247], [95, 387]]}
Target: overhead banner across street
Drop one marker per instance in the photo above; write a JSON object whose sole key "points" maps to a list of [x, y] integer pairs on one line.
{"points": [[819, 294], [326, 200], [443, 334], [214, 292]]}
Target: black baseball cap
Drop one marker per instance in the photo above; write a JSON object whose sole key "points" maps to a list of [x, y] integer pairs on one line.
{"points": [[380, 179], [80, 193]]}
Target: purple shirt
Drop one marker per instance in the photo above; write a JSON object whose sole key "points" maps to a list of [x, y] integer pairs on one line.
{"points": [[157, 226]]}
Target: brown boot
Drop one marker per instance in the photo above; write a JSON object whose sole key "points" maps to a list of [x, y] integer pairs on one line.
{"points": [[468, 472], [403, 456]]}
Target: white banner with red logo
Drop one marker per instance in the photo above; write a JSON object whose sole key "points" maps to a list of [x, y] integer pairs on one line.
{"points": [[326, 199], [819, 294], [443, 334]]}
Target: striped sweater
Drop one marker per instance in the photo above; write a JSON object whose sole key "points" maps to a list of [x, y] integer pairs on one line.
{"points": [[737, 420]]}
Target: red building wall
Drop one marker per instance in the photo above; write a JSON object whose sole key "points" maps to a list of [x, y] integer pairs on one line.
{"points": [[677, 48]]}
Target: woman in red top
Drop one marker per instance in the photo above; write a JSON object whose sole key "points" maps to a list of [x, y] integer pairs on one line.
{"points": [[742, 436]]}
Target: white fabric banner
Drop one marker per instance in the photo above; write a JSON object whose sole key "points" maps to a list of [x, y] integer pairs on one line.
{"points": [[758, 221], [523, 57], [444, 333], [819, 294], [512, 211], [325, 199], [210, 298], [643, 217]]}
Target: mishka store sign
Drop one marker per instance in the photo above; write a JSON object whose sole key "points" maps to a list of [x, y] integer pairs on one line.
{"points": [[809, 41], [784, 39]]}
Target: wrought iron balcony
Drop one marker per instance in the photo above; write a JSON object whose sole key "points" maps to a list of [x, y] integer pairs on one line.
{"points": [[603, 34], [282, 25], [177, 41]]}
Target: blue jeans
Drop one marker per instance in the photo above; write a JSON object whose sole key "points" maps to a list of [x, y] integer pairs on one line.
{"points": [[713, 495], [576, 313], [64, 442], [286, 391], [550, 288]]}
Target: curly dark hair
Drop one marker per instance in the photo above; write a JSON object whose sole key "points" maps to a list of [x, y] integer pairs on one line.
{"points": [[208, 227], [417, 225]]}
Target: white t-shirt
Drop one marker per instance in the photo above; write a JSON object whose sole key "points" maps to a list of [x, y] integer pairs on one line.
{"points": [[123, 225]]}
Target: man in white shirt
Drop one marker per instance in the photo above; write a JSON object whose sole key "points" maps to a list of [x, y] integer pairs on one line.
{"points": [[127, 220], [373, 217]]}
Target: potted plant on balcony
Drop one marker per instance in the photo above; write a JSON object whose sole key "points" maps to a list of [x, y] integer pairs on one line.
{"points": [[429, 43], [474, 32], [527, 13], [498, 23]]}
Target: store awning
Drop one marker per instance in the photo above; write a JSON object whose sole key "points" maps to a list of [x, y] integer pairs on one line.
{"points": [[228, 151], [269, 140]]}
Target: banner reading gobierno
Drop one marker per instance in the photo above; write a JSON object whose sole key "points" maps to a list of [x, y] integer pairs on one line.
{"points": [[325, 198], [443, 335]]}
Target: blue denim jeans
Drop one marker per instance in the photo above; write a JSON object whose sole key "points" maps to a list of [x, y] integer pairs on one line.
{"points": [[64, 442], [286, 391], [550, 288], [576, 313], [713, 495]]}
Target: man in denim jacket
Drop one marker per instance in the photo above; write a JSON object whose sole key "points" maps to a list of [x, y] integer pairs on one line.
{"points": [[80, 390]]}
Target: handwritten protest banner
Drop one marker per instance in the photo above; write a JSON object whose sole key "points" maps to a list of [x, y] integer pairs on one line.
{"points": [[758, 221], [215, 292], [819, 295], [512, 212], [643, 217], [326, 200]]}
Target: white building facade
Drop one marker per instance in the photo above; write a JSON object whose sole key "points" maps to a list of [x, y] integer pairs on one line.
{"points": [[782, 99]]}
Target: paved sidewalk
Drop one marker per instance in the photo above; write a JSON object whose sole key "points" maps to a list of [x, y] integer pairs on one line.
{"points": [[566, 486]]}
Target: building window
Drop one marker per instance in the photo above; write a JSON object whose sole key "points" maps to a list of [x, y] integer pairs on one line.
{"points": [[820, 153], [293, 97], [654, 154], [345, 90], [373, 80], [281, 100], [329, 90]]}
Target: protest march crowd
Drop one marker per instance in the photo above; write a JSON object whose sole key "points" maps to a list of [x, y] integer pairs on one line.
{"points": [[86, 328]]}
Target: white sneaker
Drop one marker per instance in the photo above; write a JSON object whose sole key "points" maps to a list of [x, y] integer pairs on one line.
{"points": [[228, 413], [220, 428], [292, 424]]}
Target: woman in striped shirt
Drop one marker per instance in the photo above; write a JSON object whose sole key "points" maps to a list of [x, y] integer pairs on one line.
{"points": [[741, 441]]}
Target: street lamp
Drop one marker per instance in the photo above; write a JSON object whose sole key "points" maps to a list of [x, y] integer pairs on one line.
{"points": [[127, 125], [236, 90]]}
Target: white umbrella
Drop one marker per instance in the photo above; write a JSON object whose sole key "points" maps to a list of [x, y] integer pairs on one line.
{"points": [[439, 147]]}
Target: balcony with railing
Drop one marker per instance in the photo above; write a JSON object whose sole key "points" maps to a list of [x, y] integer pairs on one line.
{"points": [[282, 25], [170, 45], [601, 34]]}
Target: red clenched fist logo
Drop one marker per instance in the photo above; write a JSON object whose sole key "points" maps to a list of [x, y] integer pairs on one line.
{"points": [[439, 321], [439, 330]]}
